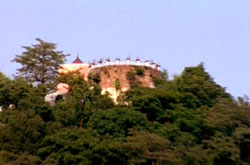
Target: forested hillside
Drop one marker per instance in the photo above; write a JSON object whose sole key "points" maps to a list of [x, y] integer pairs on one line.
{"points": [[188, 120]]}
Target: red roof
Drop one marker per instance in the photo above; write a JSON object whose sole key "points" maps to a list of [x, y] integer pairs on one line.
{"points": [[77, 61]]}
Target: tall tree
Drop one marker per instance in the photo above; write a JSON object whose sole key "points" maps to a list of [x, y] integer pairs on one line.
{"points": [[40, 62]]}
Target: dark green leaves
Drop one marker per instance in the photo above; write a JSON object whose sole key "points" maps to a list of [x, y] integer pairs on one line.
{"points": [[117, 121]]}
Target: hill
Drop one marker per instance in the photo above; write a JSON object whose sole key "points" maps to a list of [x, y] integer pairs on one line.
{"points": [[188, 120]]}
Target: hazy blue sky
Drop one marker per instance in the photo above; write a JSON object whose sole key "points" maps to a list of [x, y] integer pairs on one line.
{"points": [[174, 33]]}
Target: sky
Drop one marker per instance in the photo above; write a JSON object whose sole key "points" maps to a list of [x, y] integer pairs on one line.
{"points": [[174, 33]]}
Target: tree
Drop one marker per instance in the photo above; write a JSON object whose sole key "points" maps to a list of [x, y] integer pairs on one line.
{"points": [[198, 88], [40, 62], [5, 99], [81, 146], [21, 131], [147, 148], [81, 101], [117, 121], [10, 158]]}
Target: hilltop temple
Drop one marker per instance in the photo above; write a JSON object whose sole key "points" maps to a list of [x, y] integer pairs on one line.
{"points": [[115, 76]]}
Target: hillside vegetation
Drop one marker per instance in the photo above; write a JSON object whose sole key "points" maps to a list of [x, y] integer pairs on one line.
{"points": [[187, 120]]}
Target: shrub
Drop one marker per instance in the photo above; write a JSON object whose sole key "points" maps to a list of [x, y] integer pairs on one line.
{"points": [[139, 71], [117, 84]]}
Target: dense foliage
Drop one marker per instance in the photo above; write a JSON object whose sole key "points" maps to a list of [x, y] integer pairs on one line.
{"points": [[187, 120]]}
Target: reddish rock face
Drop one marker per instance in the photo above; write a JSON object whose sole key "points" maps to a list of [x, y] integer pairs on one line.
{"points": [[110, 74]]}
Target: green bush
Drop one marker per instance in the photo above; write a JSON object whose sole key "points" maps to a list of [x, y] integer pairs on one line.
{"points": [[139, 71], [117, 85]]}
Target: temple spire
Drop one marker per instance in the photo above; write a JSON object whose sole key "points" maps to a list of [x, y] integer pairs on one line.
{"points": [[77, 60]]}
